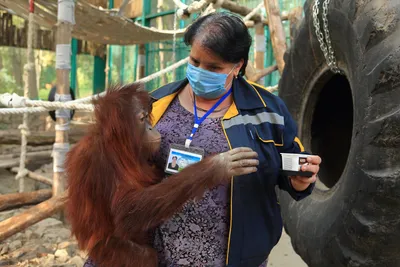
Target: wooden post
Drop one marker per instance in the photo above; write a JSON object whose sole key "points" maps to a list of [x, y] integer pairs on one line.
{"points": [[277, 33], [31, 216], [16, 200], [141, 60], [66, 19], [260, 46]]}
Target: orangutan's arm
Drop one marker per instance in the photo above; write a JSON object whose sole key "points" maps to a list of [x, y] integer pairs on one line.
{"points": [[139, 211]]}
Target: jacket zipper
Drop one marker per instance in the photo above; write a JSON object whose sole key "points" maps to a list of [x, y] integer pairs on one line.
{"points": [[230, 220]]}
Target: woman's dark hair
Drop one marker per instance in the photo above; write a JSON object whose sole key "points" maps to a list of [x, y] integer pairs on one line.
{"points": [[224, 34]]}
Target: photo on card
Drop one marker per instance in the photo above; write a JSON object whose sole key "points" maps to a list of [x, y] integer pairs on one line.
{"points": [[180, 159], [302, 160]]}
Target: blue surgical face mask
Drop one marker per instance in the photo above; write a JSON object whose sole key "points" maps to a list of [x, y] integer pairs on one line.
{"points": [[206, 84]]}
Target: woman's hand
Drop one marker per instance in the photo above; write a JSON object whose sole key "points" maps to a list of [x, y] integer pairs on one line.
{"points": [[301, 183]]}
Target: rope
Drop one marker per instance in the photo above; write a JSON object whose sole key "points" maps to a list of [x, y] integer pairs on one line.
{"points": [[143, 80], [29, 73], [20, 103]]}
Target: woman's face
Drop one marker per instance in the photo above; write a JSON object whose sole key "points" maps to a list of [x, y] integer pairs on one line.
{"points": [[205, 59]]}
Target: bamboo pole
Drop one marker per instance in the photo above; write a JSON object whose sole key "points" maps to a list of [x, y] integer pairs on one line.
{"points": [[16, 200], [66, 19], [277, 33], [31, 216]]}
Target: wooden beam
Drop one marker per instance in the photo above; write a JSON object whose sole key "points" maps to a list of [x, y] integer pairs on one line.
{"points": [[16, 200], [253, 75], [36, 177], [13, 137], [8, 162], [238, 9], [31, 216], [277, 33], [251, 23]]}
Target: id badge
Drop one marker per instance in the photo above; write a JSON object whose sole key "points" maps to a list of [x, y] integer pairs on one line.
{"points": [[179, 157]]}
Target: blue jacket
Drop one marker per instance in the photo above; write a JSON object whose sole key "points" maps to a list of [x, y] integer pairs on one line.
{"points": [[261, 121]]}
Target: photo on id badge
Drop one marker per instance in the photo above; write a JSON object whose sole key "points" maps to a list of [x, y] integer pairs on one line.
{"points": [[179, 158]]}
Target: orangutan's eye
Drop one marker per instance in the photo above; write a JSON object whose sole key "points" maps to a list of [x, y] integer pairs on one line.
{"points": [[144, 116]]}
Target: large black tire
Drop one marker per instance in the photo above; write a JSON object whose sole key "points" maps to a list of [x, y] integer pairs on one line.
{"points": [[353, 122]]}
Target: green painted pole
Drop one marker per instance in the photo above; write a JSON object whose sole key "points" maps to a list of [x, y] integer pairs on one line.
{"points": [[135, 59], [146, 22], [74, 64], [99, 75], [122, 73]]}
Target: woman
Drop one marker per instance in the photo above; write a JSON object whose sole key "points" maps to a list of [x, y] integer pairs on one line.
{"points": [[234, 224]]}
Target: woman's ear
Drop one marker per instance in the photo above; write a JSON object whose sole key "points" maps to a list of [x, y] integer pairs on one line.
{"points": [[239, 67]]}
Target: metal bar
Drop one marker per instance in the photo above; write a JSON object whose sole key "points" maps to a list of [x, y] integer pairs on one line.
{"points": [[156, 15]]}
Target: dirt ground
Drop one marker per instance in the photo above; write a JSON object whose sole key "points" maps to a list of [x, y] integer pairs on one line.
{"points": [[283, 254]]}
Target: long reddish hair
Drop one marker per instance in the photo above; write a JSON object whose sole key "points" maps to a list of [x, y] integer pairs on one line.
{"points": [[111, 155]]}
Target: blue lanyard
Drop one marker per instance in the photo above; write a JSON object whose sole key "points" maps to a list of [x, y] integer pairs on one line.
{"points": [[198, 121]]}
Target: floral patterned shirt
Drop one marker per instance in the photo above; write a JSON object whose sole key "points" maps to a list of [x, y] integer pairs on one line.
{"points": [[197, 235]]}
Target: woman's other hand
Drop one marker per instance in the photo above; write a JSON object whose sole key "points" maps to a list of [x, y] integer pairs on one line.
{"points": [[301, 183]]}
